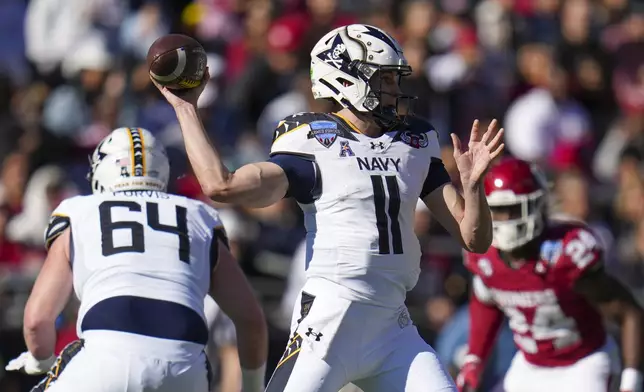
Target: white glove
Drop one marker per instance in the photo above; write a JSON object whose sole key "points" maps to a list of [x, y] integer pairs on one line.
{"points": [[26, 363], [631, 380]]}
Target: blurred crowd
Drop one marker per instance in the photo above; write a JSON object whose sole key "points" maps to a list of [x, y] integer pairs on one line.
{"points": [[565, 78]]}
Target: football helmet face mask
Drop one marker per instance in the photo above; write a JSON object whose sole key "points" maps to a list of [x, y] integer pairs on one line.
{"points": [[517, 195], [129, 159], [347, 65]]}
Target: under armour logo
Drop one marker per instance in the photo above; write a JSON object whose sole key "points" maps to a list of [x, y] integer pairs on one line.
{"points": [[317, 335], [380, 145]]}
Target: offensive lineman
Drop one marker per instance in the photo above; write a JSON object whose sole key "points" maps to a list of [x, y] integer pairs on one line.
{"points": [[141, 262], [545, 276], [357, 175]]}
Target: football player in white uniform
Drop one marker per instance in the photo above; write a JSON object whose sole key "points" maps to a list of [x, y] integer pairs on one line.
{"points": [[357, 175], [141, 262]]}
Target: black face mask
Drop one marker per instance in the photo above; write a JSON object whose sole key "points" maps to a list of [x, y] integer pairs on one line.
{"points": [[388, 116]]}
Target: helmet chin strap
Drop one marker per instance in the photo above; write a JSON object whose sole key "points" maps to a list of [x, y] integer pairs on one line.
{"points": [[386, 116]]}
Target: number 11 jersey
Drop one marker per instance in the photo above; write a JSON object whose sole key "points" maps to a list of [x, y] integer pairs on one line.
{"points": [[141, 261], [359, 204]]}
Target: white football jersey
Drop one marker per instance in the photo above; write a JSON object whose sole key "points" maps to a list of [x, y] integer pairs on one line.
{"points": [[144, 251], [360, 225]]}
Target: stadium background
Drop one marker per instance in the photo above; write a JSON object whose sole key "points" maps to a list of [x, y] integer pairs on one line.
{"points": [[566, 78]]}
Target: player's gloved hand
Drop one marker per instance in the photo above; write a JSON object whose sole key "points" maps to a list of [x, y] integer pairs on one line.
{"points": [[631, 380], [469, 377], [26, 363]]}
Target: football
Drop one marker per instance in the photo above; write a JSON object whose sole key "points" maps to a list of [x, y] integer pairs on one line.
{"points": [[177, 61]]}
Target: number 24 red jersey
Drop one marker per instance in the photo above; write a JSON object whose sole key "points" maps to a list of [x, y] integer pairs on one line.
{"points": [[553, 325]]}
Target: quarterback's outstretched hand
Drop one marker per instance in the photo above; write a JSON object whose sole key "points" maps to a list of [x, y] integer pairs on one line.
{"points": [[26, 363], [178, 98], [482, 150]]}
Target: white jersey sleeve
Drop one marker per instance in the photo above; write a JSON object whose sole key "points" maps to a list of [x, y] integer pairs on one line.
{"points": [[423, 134], [59, 221], [434, 145], [298, 139], [291, 137], [211, 218]]}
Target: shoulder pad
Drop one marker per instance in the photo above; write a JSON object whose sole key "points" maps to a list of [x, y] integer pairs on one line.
{"points": [[420, 134], [214, 223], [209, 214], [60, 220], [562, 226], [300, 134], [290, 138], [418, 125], [582, 248], [434, 146]]}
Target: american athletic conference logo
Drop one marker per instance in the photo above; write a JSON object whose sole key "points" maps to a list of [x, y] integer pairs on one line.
{"points": [[345, 149]]}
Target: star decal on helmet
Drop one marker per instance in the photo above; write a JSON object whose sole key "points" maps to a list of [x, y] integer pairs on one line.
{"points": [[337, 55]]}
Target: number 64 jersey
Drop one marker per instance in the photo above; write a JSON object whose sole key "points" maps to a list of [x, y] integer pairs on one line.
{"points": [[359, 211], [141, 261], [552, 324]]}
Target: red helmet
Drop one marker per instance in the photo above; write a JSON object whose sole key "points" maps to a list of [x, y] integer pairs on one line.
{"points": [[517, 193]]}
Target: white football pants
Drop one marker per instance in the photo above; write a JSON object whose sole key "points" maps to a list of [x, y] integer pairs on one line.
{"points": [[336, 341], [118, 362], [592, 373]]}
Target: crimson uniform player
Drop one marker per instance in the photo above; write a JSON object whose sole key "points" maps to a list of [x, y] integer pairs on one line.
{"points": [[548, 278]]}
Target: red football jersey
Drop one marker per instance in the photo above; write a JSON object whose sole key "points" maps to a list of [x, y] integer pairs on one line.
{"points": [[552, 324]]}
